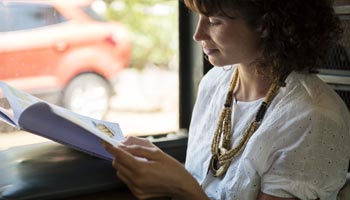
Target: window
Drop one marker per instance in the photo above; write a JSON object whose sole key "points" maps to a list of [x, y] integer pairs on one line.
{"points": [[89, 11], [335, 70], [22, 16], [100, 62], [133, 77]]}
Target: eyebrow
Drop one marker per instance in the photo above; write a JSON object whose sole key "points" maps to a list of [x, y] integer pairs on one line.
{"points": [[232, 15]]}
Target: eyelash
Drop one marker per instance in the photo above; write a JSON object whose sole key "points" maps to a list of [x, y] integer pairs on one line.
{"points": [[213, 22]]}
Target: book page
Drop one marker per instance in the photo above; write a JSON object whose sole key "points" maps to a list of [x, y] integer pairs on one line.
{"points": [[59, 124], [107, 131], [6, 115], [19, 101], [68, 128]]}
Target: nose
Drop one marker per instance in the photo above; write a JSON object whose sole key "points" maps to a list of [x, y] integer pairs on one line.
{"points": [[200, 33]]}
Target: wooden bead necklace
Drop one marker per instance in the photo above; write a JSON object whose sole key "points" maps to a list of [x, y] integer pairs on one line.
{"points": [[223, 155]]}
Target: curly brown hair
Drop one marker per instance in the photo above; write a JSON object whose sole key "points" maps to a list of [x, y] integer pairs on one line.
{"points": [[293, 34]]}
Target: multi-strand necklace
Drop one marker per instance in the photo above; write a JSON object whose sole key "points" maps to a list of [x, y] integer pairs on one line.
{"points": [[222, 151]]}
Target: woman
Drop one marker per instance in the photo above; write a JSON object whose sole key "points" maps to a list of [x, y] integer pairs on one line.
{"points": [[263, 126]]}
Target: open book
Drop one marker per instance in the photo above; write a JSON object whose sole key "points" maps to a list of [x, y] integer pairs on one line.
{"points": [[34, 115]]}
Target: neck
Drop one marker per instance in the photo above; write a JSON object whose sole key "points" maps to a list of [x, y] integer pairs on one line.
{"points": [[251, 84]]}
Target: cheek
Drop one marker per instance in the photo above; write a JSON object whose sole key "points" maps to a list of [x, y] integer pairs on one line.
{"points": [[241, 45]]}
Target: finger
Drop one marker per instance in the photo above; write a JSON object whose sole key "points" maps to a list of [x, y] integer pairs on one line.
{"points": [[125, 179], [132, 183], [110, 148], [120, 166], [123, 157], [150, 153], [122, 169], [139, 191], [137, 141], [106, 144]]}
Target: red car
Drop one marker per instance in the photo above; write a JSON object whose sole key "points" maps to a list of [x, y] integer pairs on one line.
{"points": [[62, 51]]}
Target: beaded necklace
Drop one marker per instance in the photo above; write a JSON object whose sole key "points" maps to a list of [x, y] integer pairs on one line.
{"points": [[224, 154]]}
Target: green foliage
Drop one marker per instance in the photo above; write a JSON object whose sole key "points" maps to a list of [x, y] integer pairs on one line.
{"points": [[154, 35]]}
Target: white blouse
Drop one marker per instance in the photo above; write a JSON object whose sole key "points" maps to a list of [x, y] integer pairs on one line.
{"points": [[301, 149]]}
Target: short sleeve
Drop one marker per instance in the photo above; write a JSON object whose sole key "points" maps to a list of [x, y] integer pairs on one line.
{"points": [[312, 159]]}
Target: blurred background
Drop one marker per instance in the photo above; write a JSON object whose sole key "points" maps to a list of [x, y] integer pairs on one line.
{"points": [[115, 60]]}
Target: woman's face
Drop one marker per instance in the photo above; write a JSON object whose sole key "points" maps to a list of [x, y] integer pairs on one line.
{"points": [[226, 41]]}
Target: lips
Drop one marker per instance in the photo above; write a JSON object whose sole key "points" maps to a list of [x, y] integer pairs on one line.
{"points": [[209, 51]]}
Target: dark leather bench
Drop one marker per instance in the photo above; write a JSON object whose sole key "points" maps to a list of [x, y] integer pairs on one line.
{"points": [[52, 171]]}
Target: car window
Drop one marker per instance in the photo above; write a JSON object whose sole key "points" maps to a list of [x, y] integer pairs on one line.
{"points": [[89, 11], [17, 16]]}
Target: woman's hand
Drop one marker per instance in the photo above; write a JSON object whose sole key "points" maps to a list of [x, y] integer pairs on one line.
{"points": [[149, 172]]}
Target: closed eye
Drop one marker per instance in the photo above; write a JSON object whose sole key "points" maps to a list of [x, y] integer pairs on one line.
{"points": [[213, 21]]}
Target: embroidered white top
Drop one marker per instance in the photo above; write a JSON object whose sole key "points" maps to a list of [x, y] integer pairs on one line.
{"points": [[301, 149]]}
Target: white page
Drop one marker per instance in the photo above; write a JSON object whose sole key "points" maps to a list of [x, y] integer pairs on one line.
{"points": [[93, 125], [8, 117], [81, 134], [19, 101], [59, 124]]}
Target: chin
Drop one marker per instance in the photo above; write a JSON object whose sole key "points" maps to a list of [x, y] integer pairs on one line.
{"points": [[216, 62], [220, 62]]}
